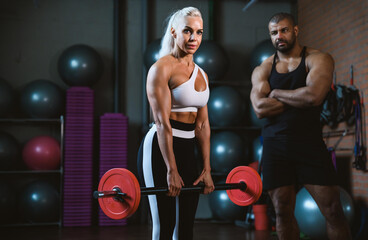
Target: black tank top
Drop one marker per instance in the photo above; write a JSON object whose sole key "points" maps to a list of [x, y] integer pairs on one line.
{"points": [[300, 123]]}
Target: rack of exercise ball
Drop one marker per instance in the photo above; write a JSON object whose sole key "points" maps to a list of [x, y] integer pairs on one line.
{"points": [[235, 138], [31, 171], [31, 153], [36, 187], [32, 139]]}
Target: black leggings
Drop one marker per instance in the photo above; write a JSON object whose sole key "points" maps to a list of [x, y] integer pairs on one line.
{"points": [[172, 217]]}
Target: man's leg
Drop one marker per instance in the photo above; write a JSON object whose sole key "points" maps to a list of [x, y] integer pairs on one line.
{"points": [[283, 200], [328, 201]]}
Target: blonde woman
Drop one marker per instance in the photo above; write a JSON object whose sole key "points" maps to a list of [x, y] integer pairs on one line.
{"points": [[178, 91]]}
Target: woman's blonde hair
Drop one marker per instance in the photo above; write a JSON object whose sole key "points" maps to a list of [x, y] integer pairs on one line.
{"points": [[167, 42]]}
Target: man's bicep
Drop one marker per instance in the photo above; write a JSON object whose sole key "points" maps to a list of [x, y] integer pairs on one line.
{"points": [[320, 75], [260, 85]]}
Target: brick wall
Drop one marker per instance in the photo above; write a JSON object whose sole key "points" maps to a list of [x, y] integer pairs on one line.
{"points": [[340, 27]]}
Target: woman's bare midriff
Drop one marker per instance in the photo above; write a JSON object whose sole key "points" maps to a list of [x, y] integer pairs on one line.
{"points": [[185, 117]]}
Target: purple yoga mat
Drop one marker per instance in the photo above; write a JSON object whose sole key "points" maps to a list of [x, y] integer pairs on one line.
{"points": [[113, 152], [78, 157]]}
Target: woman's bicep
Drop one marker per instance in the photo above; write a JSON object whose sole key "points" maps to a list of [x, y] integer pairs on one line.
{"points": [[202, 114], [202, 129], [158, 94]]}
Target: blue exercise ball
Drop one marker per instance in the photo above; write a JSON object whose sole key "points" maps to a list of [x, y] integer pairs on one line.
{"points": [[7, 98], [261, 52], [151, 53], [212, 58], [223, 208], [10, 149], [311, 221], [225, 107], [80, 65], [42, 99], [226, 151], [257, 149], [39, 202]]}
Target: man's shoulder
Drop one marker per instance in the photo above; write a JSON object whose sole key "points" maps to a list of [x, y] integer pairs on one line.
{"points": [[312, 52], [265, 67], [267, 64], [315, 57]]}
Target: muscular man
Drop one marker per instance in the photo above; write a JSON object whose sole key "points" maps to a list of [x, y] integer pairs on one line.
{"points": [[288, 90]]}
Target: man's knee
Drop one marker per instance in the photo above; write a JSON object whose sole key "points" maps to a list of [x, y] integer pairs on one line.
{"points": [[333, 211], [283, 200], [283, 209]]}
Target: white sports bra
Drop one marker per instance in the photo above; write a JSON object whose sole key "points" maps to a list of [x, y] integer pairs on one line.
{"points": [[184, 98]]}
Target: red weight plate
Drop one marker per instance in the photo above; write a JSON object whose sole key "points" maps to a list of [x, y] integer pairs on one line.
{"points": [[128, 183], [254, 185]]}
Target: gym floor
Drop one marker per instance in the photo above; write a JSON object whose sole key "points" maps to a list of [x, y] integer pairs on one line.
{"points": [[202, 231]]}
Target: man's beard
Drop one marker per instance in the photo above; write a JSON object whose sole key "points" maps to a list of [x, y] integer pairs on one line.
{"points": [[287, 47]]}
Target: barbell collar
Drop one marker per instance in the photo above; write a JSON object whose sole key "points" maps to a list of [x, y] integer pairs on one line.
{"points": [[116, 192]]}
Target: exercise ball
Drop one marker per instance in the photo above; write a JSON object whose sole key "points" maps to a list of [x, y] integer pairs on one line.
{"points": [[42, 99], [212, 58], [254, 120], [311, 221], [360, 228], [223, 208], [151, 53], [257, 148], [42, 153], [80, 65], [261, 52], [7, 98], [9, 152], [225, 106], [8, 206], [39, 202], [226, 151]]}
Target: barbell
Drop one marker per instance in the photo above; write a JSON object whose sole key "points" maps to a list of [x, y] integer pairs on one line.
{"points": [[119, 192]]}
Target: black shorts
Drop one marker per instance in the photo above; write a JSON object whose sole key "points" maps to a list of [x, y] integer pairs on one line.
{"points": [[290, 162]]}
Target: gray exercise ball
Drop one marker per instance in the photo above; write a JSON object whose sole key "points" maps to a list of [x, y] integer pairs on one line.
{"points": [[223, 208], [311, 221], [261, 52], [42, 98], [213, 59], [257, 148], [226, 151], [226, 107], [80, 65], [151, 53]]}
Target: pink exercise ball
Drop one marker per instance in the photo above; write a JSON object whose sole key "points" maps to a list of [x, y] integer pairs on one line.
{"points": [[42, 153]]}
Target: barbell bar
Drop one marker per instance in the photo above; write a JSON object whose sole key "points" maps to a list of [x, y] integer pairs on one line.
{"points": [[116, 192]]}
